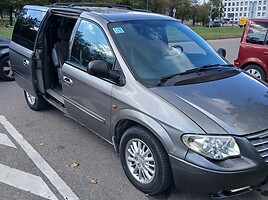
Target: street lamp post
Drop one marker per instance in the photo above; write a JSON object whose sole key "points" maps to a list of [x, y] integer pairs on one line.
{"points": [[210, 13]]}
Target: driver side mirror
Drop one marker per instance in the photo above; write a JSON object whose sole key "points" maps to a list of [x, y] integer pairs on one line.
{"points": [[222, 52], [99, 68]]}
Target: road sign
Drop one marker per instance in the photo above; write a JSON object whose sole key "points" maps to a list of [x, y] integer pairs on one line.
{"points": [[174, 12]]}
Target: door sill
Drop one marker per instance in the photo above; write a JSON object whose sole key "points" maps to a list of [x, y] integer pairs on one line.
{"points": [[56, 93]]}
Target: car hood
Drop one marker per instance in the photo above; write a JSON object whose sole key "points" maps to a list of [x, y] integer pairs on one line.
{"points": [[238, 104]]}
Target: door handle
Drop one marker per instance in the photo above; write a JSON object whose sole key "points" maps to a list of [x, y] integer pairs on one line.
{"points": [[265, 53], [67, 80], [25, 62]]}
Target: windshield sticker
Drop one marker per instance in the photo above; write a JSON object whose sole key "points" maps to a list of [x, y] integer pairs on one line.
{"points": [[118, 30]]}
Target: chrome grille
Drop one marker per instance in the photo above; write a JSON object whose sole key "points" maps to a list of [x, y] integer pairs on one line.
{"points": [[260, 142]]}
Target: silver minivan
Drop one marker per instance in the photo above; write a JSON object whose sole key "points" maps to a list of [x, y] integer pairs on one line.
{"points": [[172, 107]]}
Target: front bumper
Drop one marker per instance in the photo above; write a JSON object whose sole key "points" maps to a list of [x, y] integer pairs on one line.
{"points": [[227, 177]]}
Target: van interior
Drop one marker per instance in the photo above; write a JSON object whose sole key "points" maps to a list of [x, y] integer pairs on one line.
{"points": [[52, 51]]}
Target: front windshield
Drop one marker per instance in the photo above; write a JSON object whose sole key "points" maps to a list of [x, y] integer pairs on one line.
{"points": [[155, 49]]}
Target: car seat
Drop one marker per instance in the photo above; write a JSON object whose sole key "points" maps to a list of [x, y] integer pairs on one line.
{"points": [[60, 49]]}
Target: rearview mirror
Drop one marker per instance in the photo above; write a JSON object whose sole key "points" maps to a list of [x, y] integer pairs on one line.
{"points": [[100, 69]]}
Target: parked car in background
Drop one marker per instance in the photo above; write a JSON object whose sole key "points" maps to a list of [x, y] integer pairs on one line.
{"points": [[5, 67], [253, 50], [243, 21], [213, 24]]}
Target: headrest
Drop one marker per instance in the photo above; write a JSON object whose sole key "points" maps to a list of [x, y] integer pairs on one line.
{"points": [[64, 32]]}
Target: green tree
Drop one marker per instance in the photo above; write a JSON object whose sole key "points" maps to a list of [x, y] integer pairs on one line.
{"points": [[194, 8], [10, 6], [183, 9], [203, 13], [217, 8]]}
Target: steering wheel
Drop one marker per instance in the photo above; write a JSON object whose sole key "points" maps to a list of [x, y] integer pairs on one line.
{"points": [[174, 50], [177, 46]]}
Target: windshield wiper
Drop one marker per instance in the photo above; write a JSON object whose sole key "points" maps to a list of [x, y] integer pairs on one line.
{"points": [[189, 71], [205, 68]]}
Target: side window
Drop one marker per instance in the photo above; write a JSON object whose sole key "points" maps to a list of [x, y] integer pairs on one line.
{"points": [[27, 26], [257, 33], [90, 44]]}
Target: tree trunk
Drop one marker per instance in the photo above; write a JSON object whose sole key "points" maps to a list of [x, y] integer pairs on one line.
{"points": [[1, 16], [10, 15]]}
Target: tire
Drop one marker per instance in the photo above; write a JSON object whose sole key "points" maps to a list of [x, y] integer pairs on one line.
{"points": [[256, 71], [154, 167], [35, 103], [5, 69]]}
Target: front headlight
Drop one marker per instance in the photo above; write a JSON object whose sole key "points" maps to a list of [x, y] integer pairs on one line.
{"points": [[215, 147]]}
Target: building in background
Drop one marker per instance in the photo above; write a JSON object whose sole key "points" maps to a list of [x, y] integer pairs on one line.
{"points": [[235, 9]]}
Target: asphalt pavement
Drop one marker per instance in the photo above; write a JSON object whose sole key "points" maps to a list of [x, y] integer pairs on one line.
{"points": [[47, 155], [230, 45]]}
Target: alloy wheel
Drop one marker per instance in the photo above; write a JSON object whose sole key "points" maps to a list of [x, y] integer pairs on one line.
{"points": [[30, 98], [7, 69], [140, 161]]}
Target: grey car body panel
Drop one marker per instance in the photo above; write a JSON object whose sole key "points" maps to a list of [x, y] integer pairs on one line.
{"points": [[22, 62], [127, 16], [87, 99], [23, 73], [135, 102], [225, 101], [4, 43], [3, 51]]}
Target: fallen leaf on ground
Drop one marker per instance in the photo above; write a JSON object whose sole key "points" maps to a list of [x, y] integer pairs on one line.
{"points": [[41, 144], [73, 164], [93, 181]]}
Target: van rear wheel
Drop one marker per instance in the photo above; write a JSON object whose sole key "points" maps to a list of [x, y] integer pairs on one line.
{"points": [[35, 103], [256, 71]]}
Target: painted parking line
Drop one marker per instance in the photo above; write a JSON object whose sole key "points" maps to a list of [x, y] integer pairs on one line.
{"points": [[25, 181], [4, 140], [44, 167]]}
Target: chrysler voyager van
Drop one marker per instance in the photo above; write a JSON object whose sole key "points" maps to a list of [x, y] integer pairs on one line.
{"points": [[171, 106]]}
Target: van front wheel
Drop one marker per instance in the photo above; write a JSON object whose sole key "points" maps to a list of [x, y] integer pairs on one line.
{"points": [[35, 103], [145, 160]]}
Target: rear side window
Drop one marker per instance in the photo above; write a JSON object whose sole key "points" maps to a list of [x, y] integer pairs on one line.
{"points": [[257, 33], [27, 26]]}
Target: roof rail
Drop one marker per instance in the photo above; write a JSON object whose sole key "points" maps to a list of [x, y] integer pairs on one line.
{"points": [[72, 4]]}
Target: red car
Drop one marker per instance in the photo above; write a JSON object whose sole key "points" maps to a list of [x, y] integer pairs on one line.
{"points": [[253, 51]]}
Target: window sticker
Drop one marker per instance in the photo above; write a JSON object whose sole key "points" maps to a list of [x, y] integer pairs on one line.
{"points": [[118, 30]]}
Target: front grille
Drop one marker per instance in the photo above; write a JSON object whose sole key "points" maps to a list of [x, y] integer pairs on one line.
{"points": [[260, 142]]}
